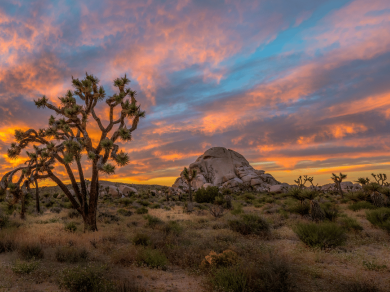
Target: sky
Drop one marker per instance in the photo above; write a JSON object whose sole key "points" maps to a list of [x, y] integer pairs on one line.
{"points": [[299, 87]]}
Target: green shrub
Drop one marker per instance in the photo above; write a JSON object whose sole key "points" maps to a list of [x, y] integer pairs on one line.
{"points": [[301, 209], [143, 203], [71, 254], [31, 250], [248, 196], [371, 266], [153, 221], [142, 210], [22, 267], [71, 227], [125, 201], [155, 206], [350, 224], [206, 195], [361, 205], [380, 218], [250, 224], [141, 239], [55, 210], [323, 235], [234, 279], [85, 279], [107, 217], [55, 195], [73, 214], [124, 212], [152, 258], [173, 227], [331, 211], [237, 209], [49, 203]]}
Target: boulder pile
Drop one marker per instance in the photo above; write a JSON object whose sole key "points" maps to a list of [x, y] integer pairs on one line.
{"points": [[226, 168]]}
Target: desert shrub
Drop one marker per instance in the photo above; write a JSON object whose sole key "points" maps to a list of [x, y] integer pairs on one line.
{"points": [[173, 227], [142, 210], [55, 195], [124, 212], [71, 254], [23, 267], [361, 205], [153, 221], [71, 227], [49, 203], [237, 209], [224, 259], [249, 224], [371, 266], [331, 211], [155, 206], [350, 224], [269, 274], [127, 286], [30, 250], [248, 196], [7, 244], [152, 258], [73, 214], [141, 239], [301, 209], [380, 218], [357, 196], [143, 203], [107, 217], [4, 221], [125, 201], [206, 195], [55, 210], [322, 235], [84, 279]]}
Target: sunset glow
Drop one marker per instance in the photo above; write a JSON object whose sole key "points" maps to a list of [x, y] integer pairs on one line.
{"points": [[296, 88]]}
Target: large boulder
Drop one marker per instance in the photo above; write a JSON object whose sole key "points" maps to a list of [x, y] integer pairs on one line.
{"points": [[219, 166], [126, 190]]}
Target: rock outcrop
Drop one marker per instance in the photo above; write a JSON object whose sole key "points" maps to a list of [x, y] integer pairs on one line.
{"points": [[223, 167]]}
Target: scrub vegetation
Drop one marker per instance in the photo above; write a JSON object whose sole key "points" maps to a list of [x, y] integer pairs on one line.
{"points": [[300, 240]]}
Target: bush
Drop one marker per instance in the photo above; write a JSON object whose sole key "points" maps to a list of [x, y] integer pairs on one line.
{"points": [[124, 212], [141, 239], [380, 218], [358, 286], [28, 251], [143, 203], [173, 227], [126, 201], [22, 267], [73, 214], [268, 274], [301, 209], [206, 195], [153, 221], [331, 211], [71, 254], [142, 210], [152, 258], [237, 209], [350, 224], [155, 206], [55, 195], [7, 244], [71, 227], [55, 210], [84, 279], [250, 224], [323, 235], [361, 205]]}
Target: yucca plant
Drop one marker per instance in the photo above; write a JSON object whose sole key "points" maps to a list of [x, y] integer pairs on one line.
{"points": [[66, 140], [189, 177]]}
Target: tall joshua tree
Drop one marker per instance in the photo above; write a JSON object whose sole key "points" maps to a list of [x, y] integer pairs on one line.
{"points": [[66, 139], [337, 180], [189, 176]]}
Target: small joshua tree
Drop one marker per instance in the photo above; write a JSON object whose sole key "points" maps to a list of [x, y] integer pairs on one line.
{"points": [[302, 181], [363, 181], [337, 180], [66, 139], [189, 176], [380, 178]]}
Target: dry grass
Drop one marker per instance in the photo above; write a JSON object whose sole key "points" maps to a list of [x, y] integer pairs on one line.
{"points": [[358, 264]]}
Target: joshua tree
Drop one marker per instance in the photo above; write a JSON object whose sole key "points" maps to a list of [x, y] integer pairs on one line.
{"points": [[189, 176], [66, 139], [337, 180], [302, 181], [380, 178], [363, 181]]}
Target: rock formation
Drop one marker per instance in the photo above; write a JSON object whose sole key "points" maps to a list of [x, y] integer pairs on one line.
{"points": [[223, 167]]}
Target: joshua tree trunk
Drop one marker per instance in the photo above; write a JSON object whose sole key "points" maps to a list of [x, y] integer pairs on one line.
{"points": [[23, 207], [38, 208], [340, 190]]}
